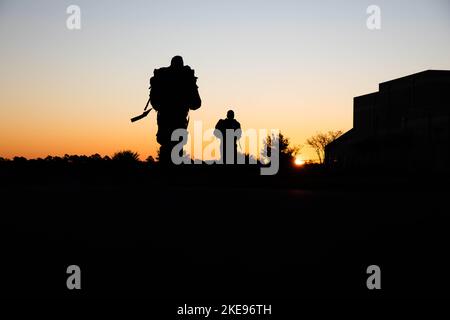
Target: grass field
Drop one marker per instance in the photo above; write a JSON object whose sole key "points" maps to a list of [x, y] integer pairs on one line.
{"points": [[210, 233]]}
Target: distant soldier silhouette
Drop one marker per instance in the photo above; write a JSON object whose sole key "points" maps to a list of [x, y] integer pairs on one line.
{"points": [[234, 132], [173, 92]]}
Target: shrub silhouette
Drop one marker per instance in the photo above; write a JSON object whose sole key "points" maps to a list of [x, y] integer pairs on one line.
{"points": [[126, 156], [150, 160], [20, 159], [286, 151]]}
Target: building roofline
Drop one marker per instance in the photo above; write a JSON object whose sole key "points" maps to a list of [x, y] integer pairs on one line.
{"points": [[344, 136], [424, 72], [365, 95]]}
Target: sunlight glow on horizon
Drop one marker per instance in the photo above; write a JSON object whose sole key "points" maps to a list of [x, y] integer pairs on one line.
{"points": [[288, 65], [299, 161]]}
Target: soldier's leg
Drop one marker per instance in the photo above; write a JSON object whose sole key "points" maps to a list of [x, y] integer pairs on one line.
{"points": [[168, 146], [166, 126], [182, 124], [223, 149], [164, 154]]}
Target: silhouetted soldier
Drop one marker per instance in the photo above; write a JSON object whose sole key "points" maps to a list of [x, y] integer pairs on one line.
{"points": [[234, 132], [173, 91]]}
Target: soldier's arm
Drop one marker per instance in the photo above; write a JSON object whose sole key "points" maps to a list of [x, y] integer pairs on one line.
{"points": [[218, 129], [238, 130]]}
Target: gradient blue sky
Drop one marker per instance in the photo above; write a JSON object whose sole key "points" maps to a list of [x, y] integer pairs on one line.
{"points": [[291, 65]]}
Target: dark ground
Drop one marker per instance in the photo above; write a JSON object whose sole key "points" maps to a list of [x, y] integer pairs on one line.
{"points": [[211, 234]]}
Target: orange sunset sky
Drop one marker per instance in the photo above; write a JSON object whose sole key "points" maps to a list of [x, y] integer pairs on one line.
{"points": [[289, 65]]}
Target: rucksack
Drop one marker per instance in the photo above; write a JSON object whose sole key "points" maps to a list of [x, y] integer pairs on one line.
{"points": [[174, 88]]}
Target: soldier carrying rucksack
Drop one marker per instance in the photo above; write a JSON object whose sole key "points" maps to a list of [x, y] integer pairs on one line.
{"points": [[173, 92], [229, 132]]}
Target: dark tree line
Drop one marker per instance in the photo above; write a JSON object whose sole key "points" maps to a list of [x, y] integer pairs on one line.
{"points": [[121, 156]]}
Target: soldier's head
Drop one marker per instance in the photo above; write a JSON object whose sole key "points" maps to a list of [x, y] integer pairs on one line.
{"points": [[230, 114], [177, 62]]}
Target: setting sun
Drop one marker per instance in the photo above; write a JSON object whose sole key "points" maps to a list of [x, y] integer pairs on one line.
{"points": [[299, 161]]}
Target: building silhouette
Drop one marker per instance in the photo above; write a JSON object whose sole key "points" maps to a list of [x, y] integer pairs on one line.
{"points": [[405, 125]]}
